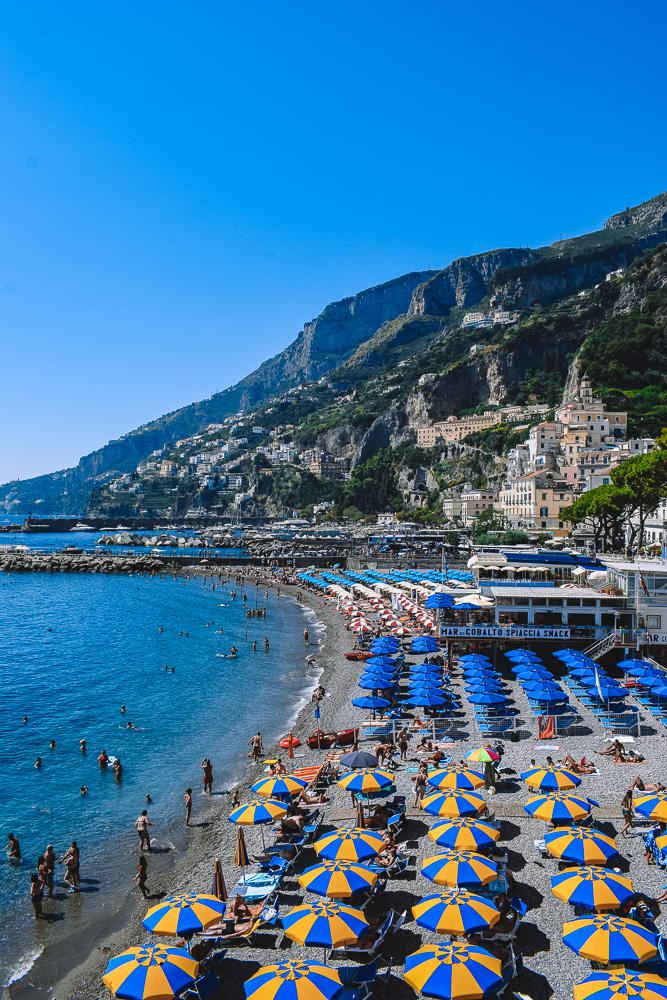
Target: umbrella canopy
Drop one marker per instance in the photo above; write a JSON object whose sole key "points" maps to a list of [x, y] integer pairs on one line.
{"points": [[483, 754], [578, 843], [463, 834], [653, 806], [439, 601], [558, 806], [591, 887], [358, 758], [381, 661], [184, 914], [337, 879], [370, 702], [452, 802], [455, 911], [350, 844], [484, 687], [450, 971], [324, 924], [540, 684], [366, 780], [455, 778], [426, 700], [551, 778], [252, 813], [487, 699], [606, 938], [386, 646], [279, 785], [379, 683], [547, 696], [294, 981], [154, 971], [424, 644], [459, 868], [621, 984]]}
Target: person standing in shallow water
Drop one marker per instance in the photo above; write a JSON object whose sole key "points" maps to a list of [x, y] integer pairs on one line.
{"points": [[13, 848], [207, 768], [142, 823]]}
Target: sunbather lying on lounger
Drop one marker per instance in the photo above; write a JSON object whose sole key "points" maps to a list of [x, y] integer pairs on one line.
{"points": [[369, 937], [310, 800], [649, 786], [582, 766], [378, 819]]}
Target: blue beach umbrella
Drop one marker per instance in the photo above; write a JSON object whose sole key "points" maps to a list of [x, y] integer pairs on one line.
{"points": [[541, 684], [381, 661], [487, 699], [439, 601], [547, 696], [474, 658], [370, 702], [426, 701], [484, 689], [424, 644]]}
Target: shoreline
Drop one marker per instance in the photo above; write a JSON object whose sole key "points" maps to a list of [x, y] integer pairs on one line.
{"points": [[72, 967]]}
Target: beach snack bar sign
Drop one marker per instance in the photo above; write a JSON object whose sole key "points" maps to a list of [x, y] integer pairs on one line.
{"points": [[502, 632]]}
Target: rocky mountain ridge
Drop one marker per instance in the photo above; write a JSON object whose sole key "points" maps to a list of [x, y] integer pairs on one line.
{"points": [[414, 321]]}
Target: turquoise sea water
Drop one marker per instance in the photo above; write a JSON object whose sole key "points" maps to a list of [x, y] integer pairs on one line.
{"points": [[57, 540], [73, 649]]}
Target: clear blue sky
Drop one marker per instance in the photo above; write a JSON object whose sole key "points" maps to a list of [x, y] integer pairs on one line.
{"points": [[183, 185]]}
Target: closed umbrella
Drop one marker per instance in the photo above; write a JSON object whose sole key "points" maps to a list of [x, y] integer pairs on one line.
{"points": [[241, 858], [219, 889], [453, 971]]}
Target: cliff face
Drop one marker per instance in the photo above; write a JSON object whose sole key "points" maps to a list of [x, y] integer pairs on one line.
{"points": [[653, 213], [464, 282]]}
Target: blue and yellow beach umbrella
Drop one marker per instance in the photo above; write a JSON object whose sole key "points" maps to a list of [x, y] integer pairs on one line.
{"points": [[150, 973], [620, 986], [324, 925], [241, 859], [294, 981], [455, 868], [367, 779], [252, 813], [451, 802], [579, 844], [184, 914], [555, 779], [279, 785], [557, 806], [451, 971], [462, 834], [591, 887], [456, 777], [349, 844], [337, 879], [606, 938], [455, 911], [653, 806]]}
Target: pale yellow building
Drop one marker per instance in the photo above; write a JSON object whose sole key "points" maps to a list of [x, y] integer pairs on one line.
{"points": [[536, 500]]}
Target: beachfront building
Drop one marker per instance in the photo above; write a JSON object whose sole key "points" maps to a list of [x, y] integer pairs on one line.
{"points": [[468, 506], [644, 585], [535, 500], [580, 608]]}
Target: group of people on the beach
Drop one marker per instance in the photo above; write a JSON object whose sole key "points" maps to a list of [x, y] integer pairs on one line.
{"points": [[43, 877]]}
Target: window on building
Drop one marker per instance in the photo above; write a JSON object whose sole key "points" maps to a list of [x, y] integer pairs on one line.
{"points": [[544, 524], [544, 496], [653, 621], [544, 511]]}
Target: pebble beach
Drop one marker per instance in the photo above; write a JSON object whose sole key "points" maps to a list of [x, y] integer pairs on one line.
{"points": [[74, 968]]}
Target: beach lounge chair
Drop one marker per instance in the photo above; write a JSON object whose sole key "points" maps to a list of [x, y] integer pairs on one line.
{"points": [[258, 885], [392, 922], [358, 980], [395, 868], [203, 987]]}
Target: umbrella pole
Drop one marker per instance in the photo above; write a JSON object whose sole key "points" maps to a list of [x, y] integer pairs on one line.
{"points": [[263, 843]]}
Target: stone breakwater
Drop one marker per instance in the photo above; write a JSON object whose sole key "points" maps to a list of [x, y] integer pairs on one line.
{"points": [[94, 562]]}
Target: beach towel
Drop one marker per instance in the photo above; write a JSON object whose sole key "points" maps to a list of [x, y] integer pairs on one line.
{"points": [[546, 727]]}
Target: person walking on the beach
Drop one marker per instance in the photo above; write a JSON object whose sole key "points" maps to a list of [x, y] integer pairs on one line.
{"points": [[188, 805], [402, 740], [142, 823], [207, 768], [306, 636], [257, 746], [142, 874], [36, 894], [290, 746]]}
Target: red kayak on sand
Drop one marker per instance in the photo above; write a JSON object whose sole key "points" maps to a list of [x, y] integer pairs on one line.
{"points": [[362, 654]]}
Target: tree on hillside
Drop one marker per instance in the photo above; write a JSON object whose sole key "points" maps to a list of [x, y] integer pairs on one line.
{"points": [[373, 485], [646, 478], [606, 509]]}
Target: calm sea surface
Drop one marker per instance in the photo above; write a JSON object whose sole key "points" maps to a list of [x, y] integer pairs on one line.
{"points": [[73, 649], [54, 540]]}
